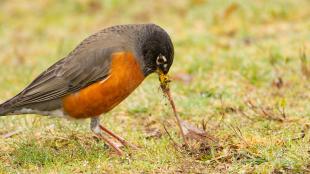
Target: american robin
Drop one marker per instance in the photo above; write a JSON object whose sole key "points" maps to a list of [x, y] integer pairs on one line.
{"points": [[96, 76]]}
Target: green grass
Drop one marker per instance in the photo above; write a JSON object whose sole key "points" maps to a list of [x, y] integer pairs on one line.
{"points": [[250, 68]]}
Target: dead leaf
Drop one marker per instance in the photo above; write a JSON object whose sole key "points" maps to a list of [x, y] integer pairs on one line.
{"points": [[152, 129], [153, 133], [305, 68], [230, 10], [183, 77], [278, 82], [194, 133], [198, 2], [94, 6], [10, 134]]}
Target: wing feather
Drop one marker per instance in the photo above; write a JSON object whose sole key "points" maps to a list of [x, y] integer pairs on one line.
{"points": [[67, 76], [88, 63]]}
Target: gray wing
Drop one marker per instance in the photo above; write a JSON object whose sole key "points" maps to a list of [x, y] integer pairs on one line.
{"points": [[78, 70], [86, 64]]}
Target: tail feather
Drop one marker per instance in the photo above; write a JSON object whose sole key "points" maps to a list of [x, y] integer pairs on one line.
{"points": [[4, 110], [6, 107]]}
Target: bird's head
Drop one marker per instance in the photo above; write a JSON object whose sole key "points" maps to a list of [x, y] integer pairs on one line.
{"points": [[156, 49]]}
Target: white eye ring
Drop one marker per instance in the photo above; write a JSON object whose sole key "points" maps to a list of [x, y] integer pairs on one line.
{"points": [[161, 60]]}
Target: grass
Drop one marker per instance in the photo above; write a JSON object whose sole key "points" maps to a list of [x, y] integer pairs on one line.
{"points": [[241, 66]]}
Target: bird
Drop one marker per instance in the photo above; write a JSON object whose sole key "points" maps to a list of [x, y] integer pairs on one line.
{"points": [[97, 75]]}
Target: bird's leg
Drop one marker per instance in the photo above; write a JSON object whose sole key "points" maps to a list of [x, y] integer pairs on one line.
{"points": [[96, 128], [120, 139]]}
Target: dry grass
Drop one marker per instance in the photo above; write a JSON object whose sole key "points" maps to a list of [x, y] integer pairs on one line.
{"points": [[241, 66]]}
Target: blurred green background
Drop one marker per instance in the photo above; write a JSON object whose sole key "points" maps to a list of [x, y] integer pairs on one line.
{"points": [[241, 66]]}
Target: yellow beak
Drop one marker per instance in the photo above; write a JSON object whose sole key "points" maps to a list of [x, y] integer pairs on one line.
{"points": [[163, 79]]}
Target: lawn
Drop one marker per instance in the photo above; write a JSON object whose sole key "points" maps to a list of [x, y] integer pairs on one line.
{"points": [[241, 71]]}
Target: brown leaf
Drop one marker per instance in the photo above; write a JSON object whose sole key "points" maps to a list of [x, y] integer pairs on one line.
{"points": [[152, 130], [153, 133], [10, 134], [278, 82], [194, 133], [198, 2], [183, 77], [305, 68], [230, 10], [94, 6]]}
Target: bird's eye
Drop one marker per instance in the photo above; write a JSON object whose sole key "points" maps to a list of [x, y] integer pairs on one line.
{"points": [[161, 60]]}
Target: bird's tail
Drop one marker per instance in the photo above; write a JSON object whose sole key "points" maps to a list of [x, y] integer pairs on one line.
{"points": [[9, 106], [5, 108]]}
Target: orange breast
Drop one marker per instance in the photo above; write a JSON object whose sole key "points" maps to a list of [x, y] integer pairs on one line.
{"points": [[103, 96]]}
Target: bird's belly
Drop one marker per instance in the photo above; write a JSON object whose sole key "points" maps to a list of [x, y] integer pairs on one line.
{"points": [[102, 96]]}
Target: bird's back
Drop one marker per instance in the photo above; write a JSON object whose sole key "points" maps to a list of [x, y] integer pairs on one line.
{"points": [[89, 63]]}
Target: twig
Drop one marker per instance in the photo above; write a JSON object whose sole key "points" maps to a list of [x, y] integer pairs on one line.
{"points": [[10, 134], [176, 145], [238, 132], [262, 111]]}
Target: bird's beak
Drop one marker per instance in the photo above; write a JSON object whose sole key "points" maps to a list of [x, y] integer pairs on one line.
{"points": [[163, 79]]}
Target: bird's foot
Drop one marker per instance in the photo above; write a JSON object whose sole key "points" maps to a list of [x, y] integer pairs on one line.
{"points": [[118, 138]]}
